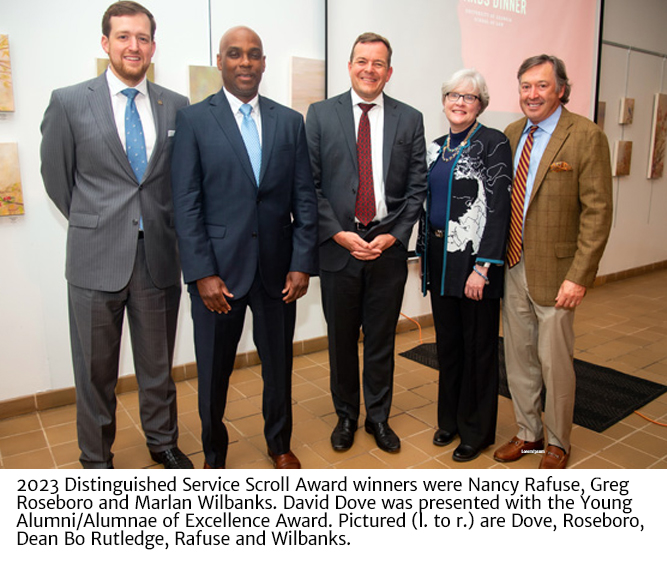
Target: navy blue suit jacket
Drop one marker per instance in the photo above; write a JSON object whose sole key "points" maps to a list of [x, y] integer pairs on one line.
{"points": [[226, 224]]}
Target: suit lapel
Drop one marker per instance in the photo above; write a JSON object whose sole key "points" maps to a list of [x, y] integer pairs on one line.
{"points": [[391, 118], [557, 140], [222, 113], [514, 134], [100, 105], [269, 128], [160, 119], [346, 117]]}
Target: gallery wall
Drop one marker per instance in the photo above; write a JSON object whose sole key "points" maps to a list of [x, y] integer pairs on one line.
{"points": [[54, 44], [639, 231]]}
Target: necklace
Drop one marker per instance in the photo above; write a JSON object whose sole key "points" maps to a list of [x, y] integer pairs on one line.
{"points": [[455, 152]]}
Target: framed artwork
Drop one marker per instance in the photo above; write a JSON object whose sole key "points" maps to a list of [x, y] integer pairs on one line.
{"points": [[204, 81], [11, 194], [601, 114], [103, 63], [6, 85], [627, 111], [622, 158], [306, 83], [656, 154]]}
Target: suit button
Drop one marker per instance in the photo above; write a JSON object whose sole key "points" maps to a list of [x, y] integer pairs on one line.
{"points": [[135, 222], [254, 234], [259, 200], [141, 187]]}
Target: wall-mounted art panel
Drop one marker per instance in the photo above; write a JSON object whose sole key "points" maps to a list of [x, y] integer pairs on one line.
{"points": [[6, 85], [204, 81], [11, 194], [656, 154], [622, 158], [627, 111], [601, 114], [307, 83]]}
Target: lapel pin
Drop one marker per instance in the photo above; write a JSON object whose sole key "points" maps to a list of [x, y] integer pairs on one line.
{"points": [[159, 102]]}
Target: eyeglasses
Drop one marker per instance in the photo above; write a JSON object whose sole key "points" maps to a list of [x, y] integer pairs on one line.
{"points": [[467, 98]]}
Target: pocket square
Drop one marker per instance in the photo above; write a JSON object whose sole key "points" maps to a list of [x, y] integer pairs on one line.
{"points": [[559, 166], [170, 133]]}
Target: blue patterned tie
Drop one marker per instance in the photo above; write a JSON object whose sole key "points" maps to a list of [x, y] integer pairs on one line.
{"points": [[135, 145], [251, 140]]}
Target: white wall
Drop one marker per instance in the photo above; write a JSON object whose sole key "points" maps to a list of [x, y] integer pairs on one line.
{"points": [[54, 44], [639, 233]]}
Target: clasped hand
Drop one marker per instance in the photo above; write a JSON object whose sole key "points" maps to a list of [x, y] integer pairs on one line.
{"points": [[360, 248]]}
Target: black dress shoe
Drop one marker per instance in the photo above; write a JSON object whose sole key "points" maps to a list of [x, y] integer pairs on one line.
{"points": [[385, 438], [342, 436], [172, 459], [443, 438], [465, 453]]}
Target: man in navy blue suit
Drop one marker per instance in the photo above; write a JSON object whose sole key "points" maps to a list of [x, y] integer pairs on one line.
{"points": [[246, 220]]}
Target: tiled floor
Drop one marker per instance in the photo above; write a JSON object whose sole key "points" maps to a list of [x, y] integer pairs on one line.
{"points": [[622, 325]]}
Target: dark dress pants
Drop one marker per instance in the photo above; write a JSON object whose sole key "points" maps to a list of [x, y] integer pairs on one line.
{"points": [[216, 341], [467, 345], [364, 295]]}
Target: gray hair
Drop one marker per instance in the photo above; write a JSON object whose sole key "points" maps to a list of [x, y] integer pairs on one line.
{"points": [[466, 77]]}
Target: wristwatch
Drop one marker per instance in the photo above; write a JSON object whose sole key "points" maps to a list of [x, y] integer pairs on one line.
{"points": [[483, 264]]}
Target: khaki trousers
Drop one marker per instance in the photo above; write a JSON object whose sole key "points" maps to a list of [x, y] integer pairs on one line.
{"points": [[539, 349]]}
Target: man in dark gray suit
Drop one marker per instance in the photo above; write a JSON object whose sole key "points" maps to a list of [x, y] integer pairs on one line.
{"points": [[367, 153], [121, 246]]}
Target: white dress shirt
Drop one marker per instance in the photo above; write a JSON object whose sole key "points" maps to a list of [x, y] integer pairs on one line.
{"points": [[143, 104], [255, 115]]}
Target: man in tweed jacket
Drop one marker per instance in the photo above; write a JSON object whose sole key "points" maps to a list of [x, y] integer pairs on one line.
{"points": [[121, 246], [566, 222]]}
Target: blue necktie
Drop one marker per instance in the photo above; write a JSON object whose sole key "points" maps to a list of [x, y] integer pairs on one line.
{"points": [[251, 140], [135, 145]]}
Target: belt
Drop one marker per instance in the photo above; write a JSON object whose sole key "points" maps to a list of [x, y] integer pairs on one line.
{"points": [[437, 233], [359, 227]]}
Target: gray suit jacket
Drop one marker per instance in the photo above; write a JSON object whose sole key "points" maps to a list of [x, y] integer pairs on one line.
{"points": [[87, 175], [333, 154]]}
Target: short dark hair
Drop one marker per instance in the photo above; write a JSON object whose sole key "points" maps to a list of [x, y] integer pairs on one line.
{"points": [[559, 71], [370, 37], [125, 8]]}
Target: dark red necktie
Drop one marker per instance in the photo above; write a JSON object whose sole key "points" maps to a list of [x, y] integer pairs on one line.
{"points": [[364, 209]]}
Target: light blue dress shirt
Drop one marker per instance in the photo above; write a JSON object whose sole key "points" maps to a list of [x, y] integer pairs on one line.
{"points": [[540, 141]]}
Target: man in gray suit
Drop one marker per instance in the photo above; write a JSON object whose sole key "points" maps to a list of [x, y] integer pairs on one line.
{"points": [[368, 159], [121, 245]]}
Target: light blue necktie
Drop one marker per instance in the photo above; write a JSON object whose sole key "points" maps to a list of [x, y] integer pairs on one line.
{"points": [[135, 145], [251, 140]]}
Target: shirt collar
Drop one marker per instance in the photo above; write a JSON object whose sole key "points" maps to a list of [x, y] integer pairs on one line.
{"points": [[236, 104], [356, 99], [548, 124], [116, 85]]}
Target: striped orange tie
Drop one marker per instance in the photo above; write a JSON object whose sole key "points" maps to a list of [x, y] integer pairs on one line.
{"points": [[518, 199]]}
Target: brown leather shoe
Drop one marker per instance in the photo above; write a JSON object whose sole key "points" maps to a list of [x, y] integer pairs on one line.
{"points": [[555, 458], [286, 461], [207, 466], [515, 449]]}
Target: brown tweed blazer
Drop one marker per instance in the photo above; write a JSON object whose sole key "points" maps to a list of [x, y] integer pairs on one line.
{"points": [[570, 210]]}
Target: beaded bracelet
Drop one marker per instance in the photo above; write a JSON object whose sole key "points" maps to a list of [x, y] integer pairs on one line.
{"points": [[486, 279]]}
